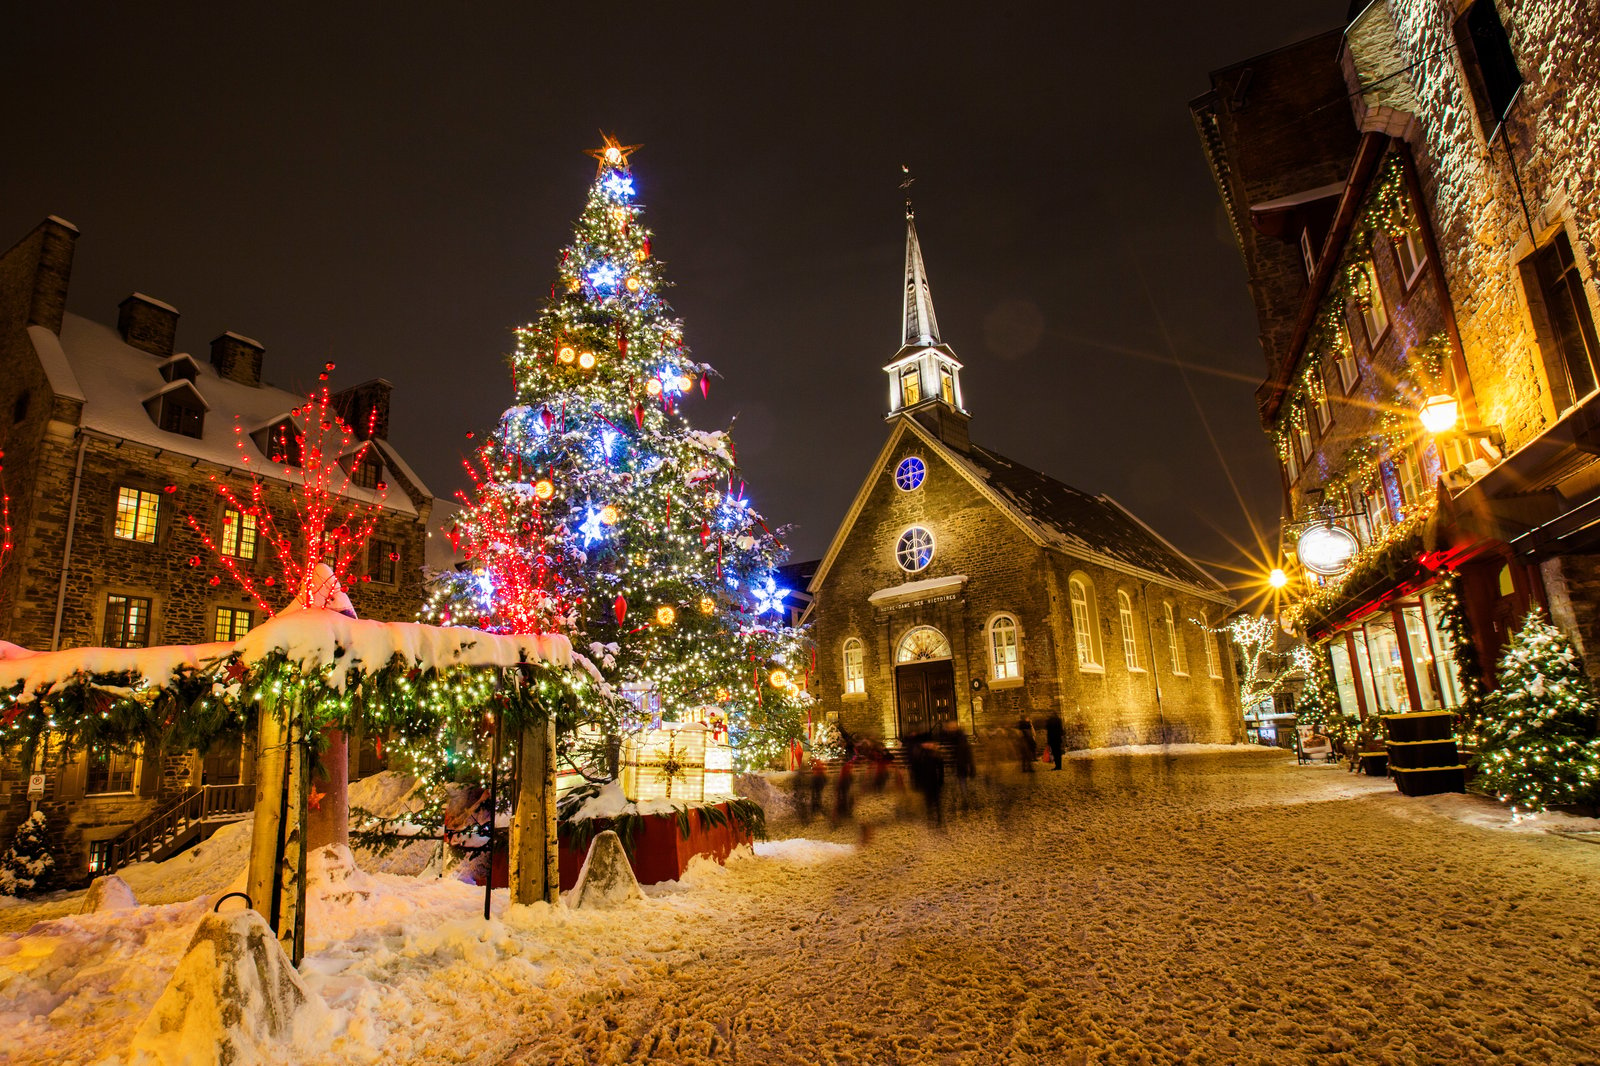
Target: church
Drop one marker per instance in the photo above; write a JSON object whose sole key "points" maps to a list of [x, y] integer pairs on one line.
{"points": [[963, 585]]}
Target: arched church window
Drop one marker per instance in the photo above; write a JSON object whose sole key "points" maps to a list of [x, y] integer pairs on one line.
{"points": [[1005, 660], [855, 674], [1085, 621], [910, 386], [909, 474], [915, 550], [922, 644]]}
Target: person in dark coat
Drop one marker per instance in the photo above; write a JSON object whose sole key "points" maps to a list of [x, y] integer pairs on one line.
{"points": [[1027, 744], [927, 772], [1055, 737], [961, 760]]}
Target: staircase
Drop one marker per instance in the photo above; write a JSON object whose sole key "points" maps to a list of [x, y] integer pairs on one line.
{"points": [[191, 818]]}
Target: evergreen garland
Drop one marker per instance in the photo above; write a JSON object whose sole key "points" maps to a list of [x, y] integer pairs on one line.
{"points": [[1537, 746]]}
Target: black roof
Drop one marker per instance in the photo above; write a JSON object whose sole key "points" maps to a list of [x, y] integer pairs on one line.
{"points": [[1068, 518]]}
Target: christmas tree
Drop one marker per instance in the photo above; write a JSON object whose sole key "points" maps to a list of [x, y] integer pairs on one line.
{"points": [[602, 513], [27, 867], [1536, 741]]}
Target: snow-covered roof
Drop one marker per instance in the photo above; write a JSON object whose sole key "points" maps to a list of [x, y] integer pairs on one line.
{"points": [[92, 363]]}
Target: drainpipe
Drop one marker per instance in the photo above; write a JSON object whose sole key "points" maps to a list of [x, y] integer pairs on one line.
{"points": [[1150, 637], [66, 550]]}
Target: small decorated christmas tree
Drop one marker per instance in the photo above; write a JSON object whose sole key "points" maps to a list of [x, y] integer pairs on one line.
{"points": [[1536, 744], [28, 866]]}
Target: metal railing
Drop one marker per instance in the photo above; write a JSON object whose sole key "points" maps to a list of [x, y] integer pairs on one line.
{"points": [[146, 838]]}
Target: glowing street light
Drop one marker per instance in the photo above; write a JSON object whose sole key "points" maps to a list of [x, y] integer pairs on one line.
{"points": [[1439, 413], [1277, 579]]}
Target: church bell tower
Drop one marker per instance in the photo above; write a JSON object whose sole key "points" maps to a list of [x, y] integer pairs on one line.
{"points": [[925, 376]]}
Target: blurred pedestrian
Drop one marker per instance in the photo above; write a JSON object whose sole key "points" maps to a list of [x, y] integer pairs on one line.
{"points": [[961, 761], [927, 773], [844, 802], [819, 781], [800, 788], [1027, 742], [1055, 737]]}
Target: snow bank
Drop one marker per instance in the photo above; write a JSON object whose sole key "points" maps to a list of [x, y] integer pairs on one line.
{"points": [[153, 666], [109, 893], [801, 851]]}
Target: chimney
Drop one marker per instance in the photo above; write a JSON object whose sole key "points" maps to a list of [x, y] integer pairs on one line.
{"points": [[237, 358], [148, 324], [37, 269], [365, 408]]}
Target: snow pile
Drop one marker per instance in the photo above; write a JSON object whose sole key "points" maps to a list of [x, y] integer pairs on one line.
{"points": [[802, 852], [50, 670], [109, 893], [235, 997], [606, 879], [764, 793]]}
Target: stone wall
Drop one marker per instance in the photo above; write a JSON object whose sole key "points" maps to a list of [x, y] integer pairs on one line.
{"points": [[1006, 572]]}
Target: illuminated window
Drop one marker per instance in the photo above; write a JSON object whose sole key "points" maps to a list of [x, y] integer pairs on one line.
{"points": [[137, 515], [915, 550], [1308, 252], [1320, 387], [910, 386], [1345, 357], [855, 670], [232, 623], [910, 473], [1004, 661], [1085, 624], [1409, 476], [1130, 647], [1302, 435], [127, 622], [1291, 465], [1213, 654], [947, 386], [1374, 315], [238, 534], [1177, 652]]}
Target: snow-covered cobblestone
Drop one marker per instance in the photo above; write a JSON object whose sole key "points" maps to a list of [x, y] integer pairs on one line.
{"points": [[1180, 907]]}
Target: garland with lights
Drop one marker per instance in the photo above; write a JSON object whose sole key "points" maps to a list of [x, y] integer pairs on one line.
{"points": [[1386, 560], [1454, 623], [600, 512], [1536, 742]]}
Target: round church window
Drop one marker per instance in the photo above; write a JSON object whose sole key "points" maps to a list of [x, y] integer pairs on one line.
{"points": [[915, 549], [909, 474]]}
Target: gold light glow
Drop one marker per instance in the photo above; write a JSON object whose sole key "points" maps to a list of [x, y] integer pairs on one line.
{"points": [[1439, 413], [586, 360], [665, 615], [609, 515], [544, 489], [1277, 579]]}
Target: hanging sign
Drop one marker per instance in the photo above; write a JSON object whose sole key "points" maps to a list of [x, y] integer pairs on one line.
{"points": [[1326, 550]]}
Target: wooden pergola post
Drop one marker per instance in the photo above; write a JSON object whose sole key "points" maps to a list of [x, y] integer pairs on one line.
{"points": [[535, 854]]}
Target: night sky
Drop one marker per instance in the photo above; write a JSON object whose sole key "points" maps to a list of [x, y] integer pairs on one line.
{"points": [[388, 189]]}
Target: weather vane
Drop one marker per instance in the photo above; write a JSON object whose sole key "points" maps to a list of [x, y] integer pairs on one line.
{"points": [[906, 185]]}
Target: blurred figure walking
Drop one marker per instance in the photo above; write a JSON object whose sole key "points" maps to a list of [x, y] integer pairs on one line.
{"points": [[1027, 744], [1055, 737], [961, 761]]}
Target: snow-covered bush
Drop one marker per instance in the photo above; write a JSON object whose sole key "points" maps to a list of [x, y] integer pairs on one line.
{"points": [[1536, 743], [28, 866]]}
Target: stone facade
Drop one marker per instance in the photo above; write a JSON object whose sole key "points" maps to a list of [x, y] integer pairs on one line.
{"points": [[1007, 572], [71, 445]]}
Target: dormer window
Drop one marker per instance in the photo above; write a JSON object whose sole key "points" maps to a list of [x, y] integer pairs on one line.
{"points": [[179, 408], [282, 442], [910, 386], [180, 368], [368, 473]]}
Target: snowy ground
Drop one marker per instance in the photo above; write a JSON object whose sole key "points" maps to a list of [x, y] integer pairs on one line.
{"points": [[1196, 906]]}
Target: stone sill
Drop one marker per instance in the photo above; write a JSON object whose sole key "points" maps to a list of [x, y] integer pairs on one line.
{"points": [[1007, 682]]}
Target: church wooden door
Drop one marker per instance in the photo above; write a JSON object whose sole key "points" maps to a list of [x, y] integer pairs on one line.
{"points": [[927, 695]]}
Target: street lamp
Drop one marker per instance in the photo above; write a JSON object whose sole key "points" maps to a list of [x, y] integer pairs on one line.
{"points": [[1277, 579], [1439, 413]]}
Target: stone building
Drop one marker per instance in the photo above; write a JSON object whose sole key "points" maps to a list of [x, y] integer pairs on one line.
{"points": [[114, 443], [963, 585], [1427, 322]]}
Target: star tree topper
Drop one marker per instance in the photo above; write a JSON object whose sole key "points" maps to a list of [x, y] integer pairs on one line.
{"points": [[612, 153]]}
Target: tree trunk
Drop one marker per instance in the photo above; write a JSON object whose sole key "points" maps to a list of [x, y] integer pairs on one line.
{"points": [[328, 822], [535, 858], [269, 766], [292, 863]]}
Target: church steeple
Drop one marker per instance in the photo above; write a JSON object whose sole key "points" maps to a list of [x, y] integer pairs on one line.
{"points": [[925, 376]]}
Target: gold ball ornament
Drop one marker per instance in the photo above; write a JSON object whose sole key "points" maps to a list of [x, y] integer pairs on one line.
{"points": [[586, 360], [544, 489], [653, 387], [567, 354], [685, 382], [779, 678], [609, 515], [641, 255], [707, 605], [665, 615], [633, 284]]}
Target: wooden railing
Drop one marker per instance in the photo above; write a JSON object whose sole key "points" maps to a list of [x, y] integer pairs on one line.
{"points": [[147, 838]]}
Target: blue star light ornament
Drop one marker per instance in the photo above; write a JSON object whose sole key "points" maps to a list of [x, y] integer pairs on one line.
{"points": [[617, 185], [769, 597], [592, 528], [605, 277]]}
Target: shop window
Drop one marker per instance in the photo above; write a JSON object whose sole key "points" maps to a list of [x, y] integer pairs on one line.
{"points": [[1388, 668], [138, 515], [1422, 658], [1005, 663], [127, 621], [1491, 67], [1344, 682], [1130, 645], [855, 673], [1451, 689], [238, 534]]}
